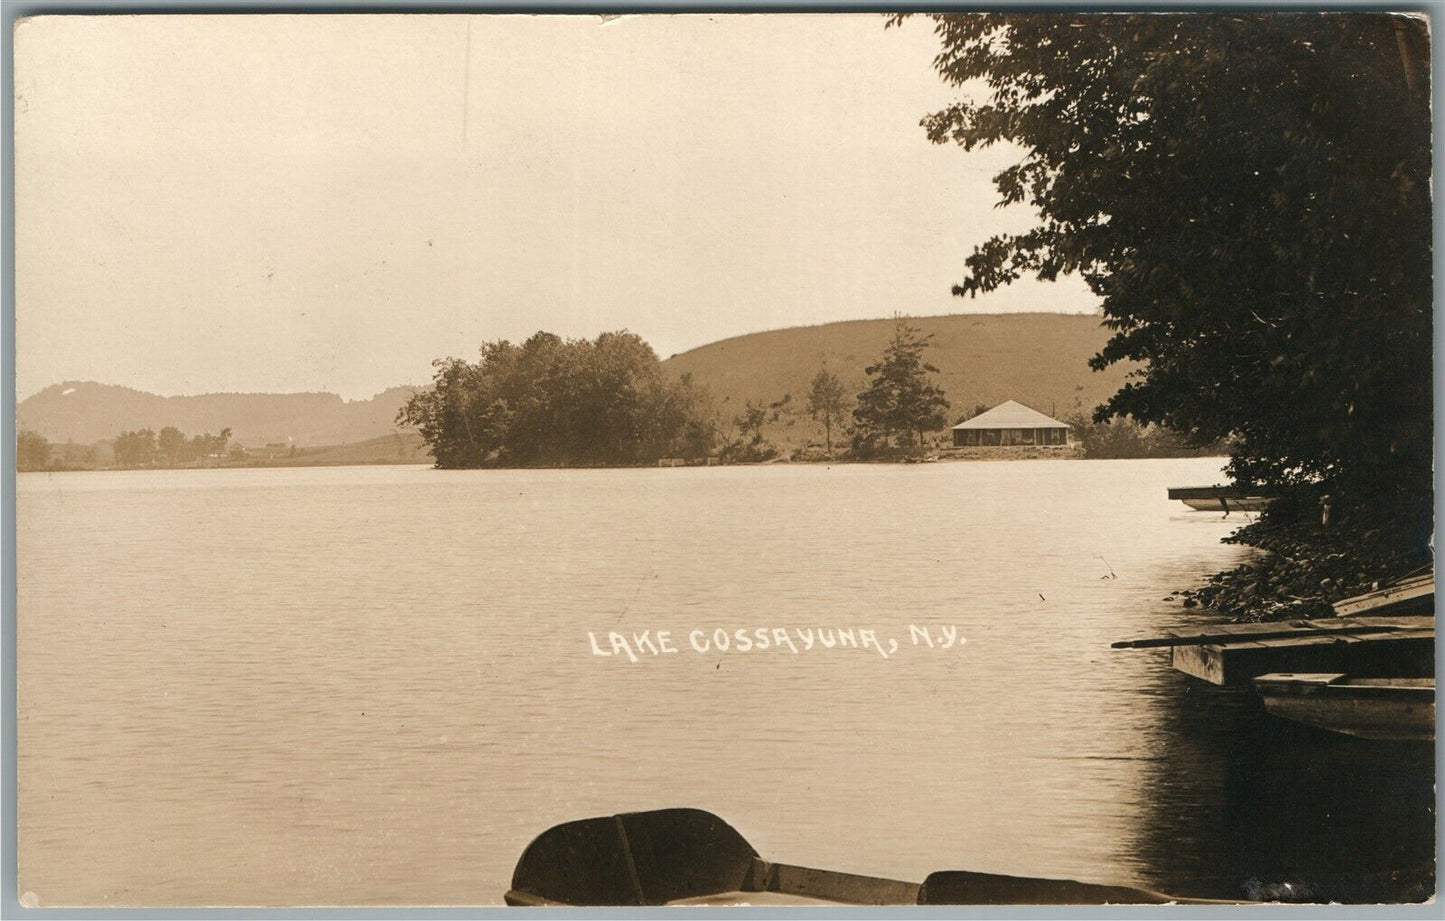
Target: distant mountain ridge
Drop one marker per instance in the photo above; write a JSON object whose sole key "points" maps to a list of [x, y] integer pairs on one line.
{"points": [[86, 412], [1038, 359]]}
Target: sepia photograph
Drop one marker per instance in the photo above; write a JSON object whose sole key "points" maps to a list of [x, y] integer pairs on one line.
{"points": [[738, 459]]}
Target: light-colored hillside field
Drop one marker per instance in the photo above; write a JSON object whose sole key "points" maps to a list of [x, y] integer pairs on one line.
{"points": [[1038, 359]]}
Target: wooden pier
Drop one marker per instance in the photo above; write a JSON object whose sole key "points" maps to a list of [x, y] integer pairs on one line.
{"points": [[1364, 647]]}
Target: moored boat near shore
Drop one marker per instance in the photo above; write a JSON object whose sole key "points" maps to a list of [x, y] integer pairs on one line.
{"points": [[1370, 708], [1220, 498], [1410, 595], [1224, 504]]}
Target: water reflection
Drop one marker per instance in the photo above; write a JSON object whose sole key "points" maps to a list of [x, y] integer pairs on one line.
{"points": [[1246, 805]]}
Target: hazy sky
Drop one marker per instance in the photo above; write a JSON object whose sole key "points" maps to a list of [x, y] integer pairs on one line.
{"points": [[281, 203]]}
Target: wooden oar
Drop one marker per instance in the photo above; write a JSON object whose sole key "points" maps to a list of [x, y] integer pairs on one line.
{"points": [[1206, 639]]}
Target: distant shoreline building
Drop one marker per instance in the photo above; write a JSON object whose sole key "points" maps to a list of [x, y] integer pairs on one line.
{"points": [[1010, 424]]}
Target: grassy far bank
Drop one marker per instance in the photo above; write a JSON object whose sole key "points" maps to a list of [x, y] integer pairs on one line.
{"points": [[410, 449], [398, 448]]}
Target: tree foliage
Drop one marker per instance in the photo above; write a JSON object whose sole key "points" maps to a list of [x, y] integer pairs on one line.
{"points": [[1249, 194], [826, 403], [746, 445], [136, 449], [209, 445], [1122, 437], [32, 450], [168, 448], [171, 444], [556, 402], [902, 403]]}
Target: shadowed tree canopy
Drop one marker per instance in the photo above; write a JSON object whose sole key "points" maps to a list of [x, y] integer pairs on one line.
{"points": [[1249, 194]]}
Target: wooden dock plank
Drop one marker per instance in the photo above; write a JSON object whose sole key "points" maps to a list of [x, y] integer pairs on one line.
{"points": [[1327, 623], [1203, 662], [1403, 655], [1224, 634], [1343, 639]]}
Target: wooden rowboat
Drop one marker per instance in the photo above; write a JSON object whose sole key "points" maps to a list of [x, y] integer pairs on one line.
{"points": [[1370, 708], [1220, 498], [692, 857], [1410, 595], [1224, 504]]}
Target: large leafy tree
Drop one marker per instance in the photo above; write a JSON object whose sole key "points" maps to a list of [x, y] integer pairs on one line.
{"points": [[1249, 195]]}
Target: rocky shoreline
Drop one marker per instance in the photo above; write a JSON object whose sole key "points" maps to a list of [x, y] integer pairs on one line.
{"points": [[1303, 565]]}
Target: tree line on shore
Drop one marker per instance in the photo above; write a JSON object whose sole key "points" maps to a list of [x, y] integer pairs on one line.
{"points": [[169, 447], [609, 402]]}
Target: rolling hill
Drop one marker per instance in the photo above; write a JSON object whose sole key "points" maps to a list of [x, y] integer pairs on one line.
{"points": [[1038, 359]]}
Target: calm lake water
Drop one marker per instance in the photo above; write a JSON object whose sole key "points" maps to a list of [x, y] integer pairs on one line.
{"points": [[375, 684]]}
